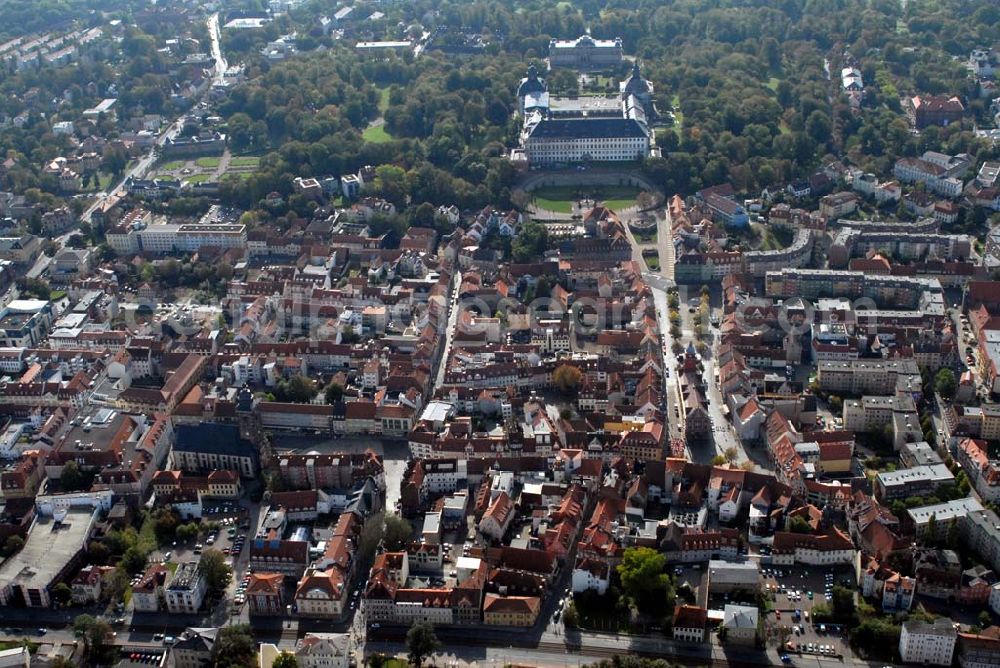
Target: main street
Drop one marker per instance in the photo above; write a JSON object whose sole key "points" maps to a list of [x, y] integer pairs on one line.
{"points": [[723, 436]]}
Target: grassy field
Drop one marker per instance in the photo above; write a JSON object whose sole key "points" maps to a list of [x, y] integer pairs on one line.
{"points": [[645, 237], [652, 259], [244, 161], [207, 163], [772, 83], [560, 199], [383, 99], [173, 165], [675, 102], [198, 178], [376, 134]]}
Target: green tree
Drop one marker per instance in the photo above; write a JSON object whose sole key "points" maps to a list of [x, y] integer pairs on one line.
{"points": [[95, 634], [843, 602], [215, 569], [285, 660], [334, 393], [643, 578], [377, 660], [398, 533], [61, 593], [113, 584], [571, 616], [945, 383], [567, 378], [531, 242], [932, 526], [12, 545], [985, 619], [133, 561], [71, 480], [298, 390], [234, 648], [421, 643], [798, 524]]}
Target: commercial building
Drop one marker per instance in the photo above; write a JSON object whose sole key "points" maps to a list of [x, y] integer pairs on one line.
{"points": [[727, 576], [24, 322], [928, 643], [53, 548]]}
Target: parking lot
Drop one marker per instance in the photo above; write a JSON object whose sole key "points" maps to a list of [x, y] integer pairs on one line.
{"points": [[795, 591], [230, 539]]}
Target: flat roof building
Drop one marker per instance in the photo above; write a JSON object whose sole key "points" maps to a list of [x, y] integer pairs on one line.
{"points": [[53, 548]]}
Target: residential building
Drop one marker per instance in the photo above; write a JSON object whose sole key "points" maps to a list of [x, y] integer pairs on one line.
{"points": [[264, 594], [926, 110], [186, 592], [740, 624], [928, 643], [149, 595], [321, 593], [979, 650], [689, 623], [916, 481], [323, 650], [520, 611]]}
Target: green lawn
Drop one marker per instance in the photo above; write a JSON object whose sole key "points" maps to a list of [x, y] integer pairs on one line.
{"points": [[645, 237], [173, 165], [652, 259], [15, 644], [244, 161], [675, 102], [56, 295], [376, 134], [556, 205], [383, 99], [208, 162], [198, 178], [560, 199], [772, 83]]}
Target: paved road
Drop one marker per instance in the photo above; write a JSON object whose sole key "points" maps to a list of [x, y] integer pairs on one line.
{"points": [[449, 333], [220, 61]]}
